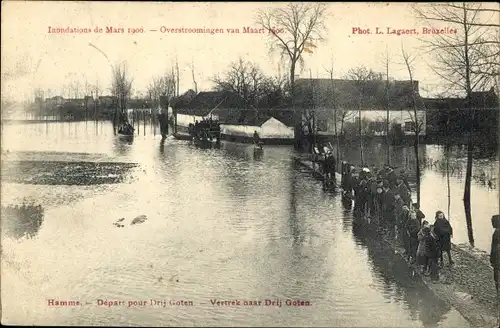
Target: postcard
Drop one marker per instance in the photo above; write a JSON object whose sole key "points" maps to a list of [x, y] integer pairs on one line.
{"points": [[250, 164]]}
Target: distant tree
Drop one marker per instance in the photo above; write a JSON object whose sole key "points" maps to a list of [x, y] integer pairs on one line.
{"points": [[294, 29], [254, 87], [365, 93], [121, 88], [416, 116], [244, 78], [162, 86], [193, 77]]}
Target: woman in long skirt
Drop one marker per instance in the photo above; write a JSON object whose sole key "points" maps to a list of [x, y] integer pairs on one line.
{"points": [[422, 259], [444, 232]]}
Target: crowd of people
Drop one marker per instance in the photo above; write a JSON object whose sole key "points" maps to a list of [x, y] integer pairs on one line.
{"points": [[383, 198], [205, 129]]}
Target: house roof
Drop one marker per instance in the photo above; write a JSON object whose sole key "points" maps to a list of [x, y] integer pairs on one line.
{"points": [[443, 103], [484, 98], [479, 99], [351, 94], [182, 100], [247, 117], [205, 102]]}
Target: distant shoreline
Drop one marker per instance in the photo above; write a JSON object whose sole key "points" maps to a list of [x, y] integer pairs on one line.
{"points": [[20, 121]]}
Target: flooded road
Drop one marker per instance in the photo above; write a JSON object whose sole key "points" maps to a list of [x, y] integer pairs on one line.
{"points": [[222, 224]]}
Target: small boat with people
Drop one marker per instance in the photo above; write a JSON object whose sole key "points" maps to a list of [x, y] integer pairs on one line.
{"points": [[205, 133], [125, 131]]}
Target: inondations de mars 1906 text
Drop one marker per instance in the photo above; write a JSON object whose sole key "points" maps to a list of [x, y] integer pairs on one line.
{"points": [[164, 30]]}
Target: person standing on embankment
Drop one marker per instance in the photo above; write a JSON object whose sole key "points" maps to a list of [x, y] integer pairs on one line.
{"points": [[163, 119], [495, 251], [444, 231]]}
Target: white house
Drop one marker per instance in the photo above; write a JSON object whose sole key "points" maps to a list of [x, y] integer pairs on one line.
{"points": [[365, 100], [375, 120], [268, 128]]}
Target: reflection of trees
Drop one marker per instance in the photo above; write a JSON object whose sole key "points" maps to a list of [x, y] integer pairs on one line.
{"points": [[122, 146], [398, 281], [294, 228], [22, 220], [237, 151], [484, 171], [304, 264]]}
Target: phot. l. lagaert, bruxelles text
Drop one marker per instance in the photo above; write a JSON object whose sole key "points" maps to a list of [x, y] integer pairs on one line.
{"points": [[404, 31]]}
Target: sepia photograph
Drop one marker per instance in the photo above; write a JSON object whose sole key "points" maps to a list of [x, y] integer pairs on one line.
{"points": [[248, 164]]}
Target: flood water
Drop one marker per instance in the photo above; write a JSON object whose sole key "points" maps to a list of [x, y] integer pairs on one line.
{"points": [[223, 224]]}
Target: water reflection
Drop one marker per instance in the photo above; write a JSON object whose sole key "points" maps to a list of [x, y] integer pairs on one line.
{"points": [[122, 146], [399, 282], [237, 151], [22, 220], [294, 227], [230, 226], [258, 154]]}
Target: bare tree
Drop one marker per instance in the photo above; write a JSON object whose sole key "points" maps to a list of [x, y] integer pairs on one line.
{"points": [[386, 63], [177, 78], [464, 61], [121, 88], [333, 103], [194, 80], [243, 78], [162, 87], [300, 24], [75, 88], [96, 91], [38, 94], [417, 121], [87, 90], [365, 93]]}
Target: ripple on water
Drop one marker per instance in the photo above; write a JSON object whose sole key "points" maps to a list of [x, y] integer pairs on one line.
{"points": [[220, 225]]}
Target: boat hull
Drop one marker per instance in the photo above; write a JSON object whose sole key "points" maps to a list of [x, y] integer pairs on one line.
{"points": [[181, 136]]}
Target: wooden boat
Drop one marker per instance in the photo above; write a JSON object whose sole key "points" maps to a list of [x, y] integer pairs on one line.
{"points": [[125, 130], [205, 142], [183, 136]]}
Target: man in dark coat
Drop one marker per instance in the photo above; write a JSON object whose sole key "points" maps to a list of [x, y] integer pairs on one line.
{"points": [[444, 231], [404, 176], [388, 206], [391, 177], [432, 250], [403, 223], [419, 213], [495, 250], [163, 119], [401, 190], [412, 228]]}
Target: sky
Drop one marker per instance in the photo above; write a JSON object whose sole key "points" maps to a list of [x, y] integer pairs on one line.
{"points": [[33, 58]]}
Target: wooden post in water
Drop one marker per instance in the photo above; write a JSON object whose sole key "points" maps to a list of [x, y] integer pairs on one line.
{"points": [[153, 116], [138, 123], [144, 119]]}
